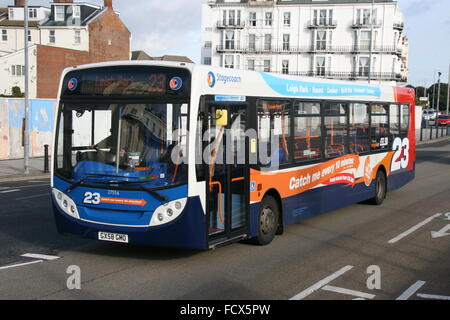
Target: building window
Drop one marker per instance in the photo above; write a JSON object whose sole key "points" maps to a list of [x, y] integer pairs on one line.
{"points": [[286, 42], [29, 35], [364, 67], [229, 61], [76, 12], [208, 44], [4, 35], [207, 61], [285, 67], [17, 70], [365, 40], [252, 42], [52, 37], [266, 65], [59, 13], [231, 18], [321, 41], [251, 65], [268, 20], [11, 14], [320, 66], [267, 42], [252, 19], [77, 36], [229, 40], [32, 13], [287, 19]]}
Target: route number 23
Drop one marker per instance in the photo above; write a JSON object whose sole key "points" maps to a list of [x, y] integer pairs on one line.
{"points": [[91, 198], [401, 155]]}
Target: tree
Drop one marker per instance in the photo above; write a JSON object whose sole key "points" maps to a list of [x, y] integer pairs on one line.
{"points": [[17, 93], [442, 96]]}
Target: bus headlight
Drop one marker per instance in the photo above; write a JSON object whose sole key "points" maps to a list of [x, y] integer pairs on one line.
{"points": [[168, 212], [66, 204]]}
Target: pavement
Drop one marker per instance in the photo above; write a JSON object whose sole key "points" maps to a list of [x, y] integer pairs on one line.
{"points": [[13, 170], [399, 250]]}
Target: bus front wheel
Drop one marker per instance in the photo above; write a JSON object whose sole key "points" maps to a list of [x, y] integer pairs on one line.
{"points": [[268, 222], [380, 189]]}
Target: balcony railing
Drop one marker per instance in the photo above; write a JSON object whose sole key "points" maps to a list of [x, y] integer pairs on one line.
{"points": [[399, 25], [383, 76], [322, 24], [288, 49], [230, 24], [366, 24]]}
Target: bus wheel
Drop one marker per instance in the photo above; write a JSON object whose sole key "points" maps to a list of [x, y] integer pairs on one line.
{"points": [[269, 216], [380, 189]]}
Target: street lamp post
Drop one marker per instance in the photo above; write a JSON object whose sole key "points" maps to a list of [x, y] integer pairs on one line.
{"points": [[448, 91], [26, 133], [439, 91], [371, 41]]}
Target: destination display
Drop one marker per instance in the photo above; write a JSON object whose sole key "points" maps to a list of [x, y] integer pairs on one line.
{"points": [[128, 82]]}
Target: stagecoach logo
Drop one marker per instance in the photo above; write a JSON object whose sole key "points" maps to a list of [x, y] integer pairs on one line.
{"points": [[211, 80], [176, 83], [73, 84]]}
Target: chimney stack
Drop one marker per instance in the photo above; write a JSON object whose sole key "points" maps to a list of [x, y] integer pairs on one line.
{"points": [[19, 3], [108, 4]]}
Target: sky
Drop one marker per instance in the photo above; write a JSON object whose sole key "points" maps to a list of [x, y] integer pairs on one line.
{"points": [[174, 27]]}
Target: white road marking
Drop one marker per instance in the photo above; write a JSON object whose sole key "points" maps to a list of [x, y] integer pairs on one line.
{"points": [[36, 196], [358, 294], [10, 191], [441, 233], [321, 283], [413, 229], [40, 256], [432, 296], [411, 290], [20, 265]]}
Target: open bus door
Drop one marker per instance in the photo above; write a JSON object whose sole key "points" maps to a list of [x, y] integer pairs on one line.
{"points": [[227, 173]]}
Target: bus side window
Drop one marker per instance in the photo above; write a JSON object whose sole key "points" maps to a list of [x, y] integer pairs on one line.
{"points": [[307, 132], [274, 119], [336, 144], [359, 128], [404, 118], [394, 119], [379, 130]]}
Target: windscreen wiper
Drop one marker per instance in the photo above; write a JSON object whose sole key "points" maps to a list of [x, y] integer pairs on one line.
{"points": [[80, 182], [149, 191]]}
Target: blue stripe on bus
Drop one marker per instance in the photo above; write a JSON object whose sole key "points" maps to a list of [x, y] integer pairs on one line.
{"points": [[295, 88]]}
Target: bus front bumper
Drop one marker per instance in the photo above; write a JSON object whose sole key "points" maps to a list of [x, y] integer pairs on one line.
{"points": [[188, 231]]}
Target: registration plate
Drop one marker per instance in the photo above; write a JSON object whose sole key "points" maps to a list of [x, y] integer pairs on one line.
{"points": [[113, 237]]}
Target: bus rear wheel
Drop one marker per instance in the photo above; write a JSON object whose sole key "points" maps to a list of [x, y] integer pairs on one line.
{"points": [[268, 222], [380, 189]]}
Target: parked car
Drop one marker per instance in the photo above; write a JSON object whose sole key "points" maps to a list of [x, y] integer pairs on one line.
{"points": [[444, 120], [430, 114]]}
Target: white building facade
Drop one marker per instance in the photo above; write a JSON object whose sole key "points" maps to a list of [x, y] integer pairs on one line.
{"points": [[340, 39]]}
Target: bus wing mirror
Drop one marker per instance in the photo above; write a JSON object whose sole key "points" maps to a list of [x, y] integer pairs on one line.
{"points": [[221, 117]]}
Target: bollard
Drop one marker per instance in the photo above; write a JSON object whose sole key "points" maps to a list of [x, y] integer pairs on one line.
{"points": [[421, 134], [46, 168]]}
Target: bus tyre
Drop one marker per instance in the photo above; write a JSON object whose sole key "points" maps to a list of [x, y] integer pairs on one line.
{"points": [[268, 221], [380, 189]]}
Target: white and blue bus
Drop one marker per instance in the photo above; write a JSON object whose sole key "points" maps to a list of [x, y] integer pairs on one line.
{"points": [[190, 156]]}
